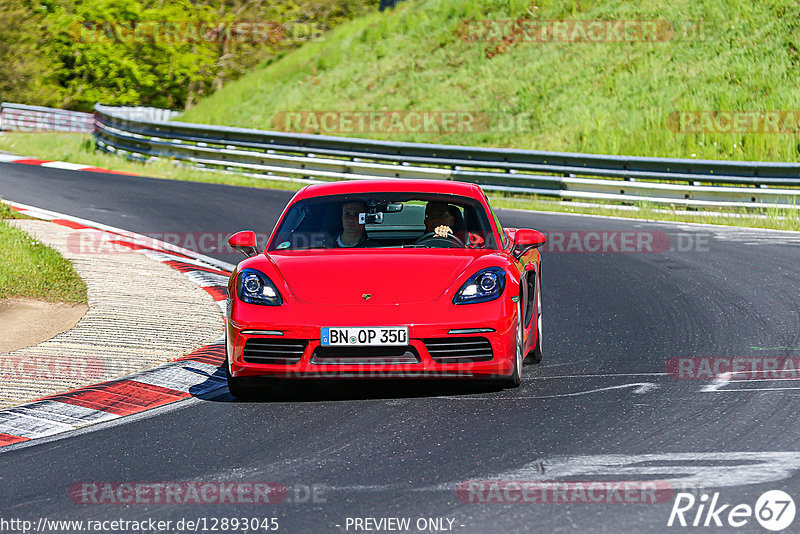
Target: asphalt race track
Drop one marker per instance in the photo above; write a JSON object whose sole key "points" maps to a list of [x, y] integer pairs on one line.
{"points": [[603, 405]]}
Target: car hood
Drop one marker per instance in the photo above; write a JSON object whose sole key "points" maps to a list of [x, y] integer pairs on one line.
{"points": [[377, 277]]}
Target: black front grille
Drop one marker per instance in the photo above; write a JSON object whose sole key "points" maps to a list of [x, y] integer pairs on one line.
{"points": [[459, 349], [274, 350], [364, 355]]}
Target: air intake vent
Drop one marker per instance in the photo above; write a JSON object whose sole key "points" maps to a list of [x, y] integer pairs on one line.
{"points": [[459, 349], [274, 351]]}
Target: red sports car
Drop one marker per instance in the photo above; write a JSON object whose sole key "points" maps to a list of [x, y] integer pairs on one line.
{"points": [[385, 279]]}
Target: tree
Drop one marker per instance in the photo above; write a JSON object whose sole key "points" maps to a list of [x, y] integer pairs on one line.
{"points": [[75, 53], [24, 71]]}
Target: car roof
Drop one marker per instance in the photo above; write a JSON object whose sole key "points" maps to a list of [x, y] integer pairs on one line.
{"points": [[354, 187]]}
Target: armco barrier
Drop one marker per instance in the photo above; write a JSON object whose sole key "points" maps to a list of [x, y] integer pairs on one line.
{"points": [[22, 118], [141, 113], [564, 175], [145, 133]]}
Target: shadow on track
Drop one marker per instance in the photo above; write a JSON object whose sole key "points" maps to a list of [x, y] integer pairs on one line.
{"points": [[346, 389]]}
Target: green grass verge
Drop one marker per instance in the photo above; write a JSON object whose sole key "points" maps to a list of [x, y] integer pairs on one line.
{"points": [[32, 270], [78, 148], [7, 213], [591, 97]]}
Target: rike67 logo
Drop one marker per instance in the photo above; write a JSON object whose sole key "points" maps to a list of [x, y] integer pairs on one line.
{"points": [[774, 510]]}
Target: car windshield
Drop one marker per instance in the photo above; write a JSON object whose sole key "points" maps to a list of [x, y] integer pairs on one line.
{"points": [[385, 220]]}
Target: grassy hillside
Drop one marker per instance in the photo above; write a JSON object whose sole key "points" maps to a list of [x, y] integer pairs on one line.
{"points": [[606, 97]]}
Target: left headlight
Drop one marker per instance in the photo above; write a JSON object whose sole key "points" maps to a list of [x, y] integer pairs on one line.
{"points": [[254, 287], [482, 286]]}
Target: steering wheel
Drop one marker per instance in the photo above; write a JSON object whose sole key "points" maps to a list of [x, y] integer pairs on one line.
{"points": [[449, 241]]}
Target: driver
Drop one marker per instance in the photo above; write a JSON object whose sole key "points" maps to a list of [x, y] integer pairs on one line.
{"points": [[439, 218], [353, 233]]}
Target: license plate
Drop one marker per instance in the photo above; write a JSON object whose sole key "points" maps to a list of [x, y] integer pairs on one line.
{"points": [[351, 336]]}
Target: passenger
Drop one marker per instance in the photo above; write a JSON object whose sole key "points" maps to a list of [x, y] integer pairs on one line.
{"points": [[353, 233]]}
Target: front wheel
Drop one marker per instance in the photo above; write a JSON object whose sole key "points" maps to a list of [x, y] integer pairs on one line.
{"points": [[535, 356], [237, 387], [515, 379], [245, 388]]}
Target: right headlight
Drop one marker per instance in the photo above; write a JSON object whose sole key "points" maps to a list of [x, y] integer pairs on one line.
{"points": [[254, 287], [482, 286]]}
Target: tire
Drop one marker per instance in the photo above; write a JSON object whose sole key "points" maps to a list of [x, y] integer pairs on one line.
{"points": [[535, 356], [244, 388], [237, 388], [515, 379]]}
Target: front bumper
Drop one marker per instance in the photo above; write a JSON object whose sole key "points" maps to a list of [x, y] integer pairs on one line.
{"points": [[502, 339]]}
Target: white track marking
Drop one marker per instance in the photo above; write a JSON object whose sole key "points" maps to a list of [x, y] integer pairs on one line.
{"points": [[641, 387], [685, 470], [594, 376], [117, 421], [30, 426], [186, 376], [164, 256], [721, 381], [766, 380], [746, 390], [65, 165], [550, 365], [680, 470], [61, 412], [726, 378], [206, 279]]}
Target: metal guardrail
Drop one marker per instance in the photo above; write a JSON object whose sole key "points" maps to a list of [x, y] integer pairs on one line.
{"points": [[23, 118], [141, 113], [302, 157]]}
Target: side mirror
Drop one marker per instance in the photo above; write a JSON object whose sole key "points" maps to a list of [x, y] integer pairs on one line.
{"points": [[244, 242], [526, 239]]}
